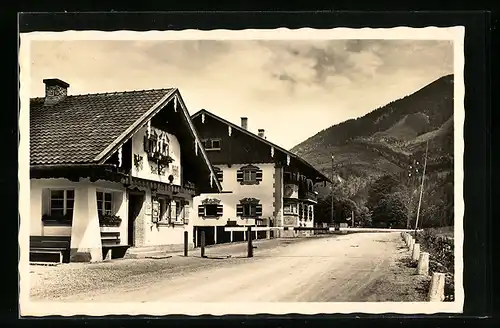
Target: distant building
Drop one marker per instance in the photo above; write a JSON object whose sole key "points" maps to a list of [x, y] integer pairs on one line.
{"points": [[112, 171], [263, 184]]}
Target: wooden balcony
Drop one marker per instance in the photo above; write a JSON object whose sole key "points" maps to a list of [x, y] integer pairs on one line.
{"points": [[308, 196]]}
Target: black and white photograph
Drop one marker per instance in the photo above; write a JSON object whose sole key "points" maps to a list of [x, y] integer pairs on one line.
{"points": [[241, 172]]}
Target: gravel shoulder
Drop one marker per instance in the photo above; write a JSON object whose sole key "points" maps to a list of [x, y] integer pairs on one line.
{"points": [[342, 268]]}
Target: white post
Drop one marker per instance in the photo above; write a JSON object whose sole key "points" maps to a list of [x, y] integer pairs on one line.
{"points": [[215, 235], [86, 244], [436, 291], [230, 236], [412, 242], [423, 264], [416, 252]]}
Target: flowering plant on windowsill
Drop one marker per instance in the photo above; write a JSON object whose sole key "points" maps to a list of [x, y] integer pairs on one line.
{"points": [[108, 220], [165, 160], [161, 158]]}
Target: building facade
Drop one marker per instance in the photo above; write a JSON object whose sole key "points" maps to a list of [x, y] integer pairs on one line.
{"points": [[263, 184], [113, 171]]}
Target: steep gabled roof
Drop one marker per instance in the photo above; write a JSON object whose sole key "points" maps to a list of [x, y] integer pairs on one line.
{"points": [[79, 128], [265, 141], [88, 129]]}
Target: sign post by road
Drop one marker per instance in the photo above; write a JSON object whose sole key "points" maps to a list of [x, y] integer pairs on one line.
{"points": [[186, 243], [202, 244]]}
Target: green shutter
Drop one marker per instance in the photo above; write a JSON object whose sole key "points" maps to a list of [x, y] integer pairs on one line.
{"points": [[239, 176], [258, 175]]}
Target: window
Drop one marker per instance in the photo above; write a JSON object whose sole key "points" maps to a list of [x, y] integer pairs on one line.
{"points": [[179, 210], [104, 203], [290, 209], [165, 209], [249, 207], [249, 175], [61, 203], [210, 208], [212, 144]]}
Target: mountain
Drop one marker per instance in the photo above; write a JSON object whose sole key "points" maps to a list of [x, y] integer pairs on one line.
{"points": [[388, 139]]}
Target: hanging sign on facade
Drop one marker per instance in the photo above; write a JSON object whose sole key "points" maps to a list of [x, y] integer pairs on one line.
{"points": [[148, 208], [289, 221], [155, 211]]}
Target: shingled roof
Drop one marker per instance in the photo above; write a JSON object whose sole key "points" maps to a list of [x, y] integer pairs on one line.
{"points": [[79, 128]]}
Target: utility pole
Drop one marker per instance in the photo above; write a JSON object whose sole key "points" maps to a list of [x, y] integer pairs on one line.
{"points": [[421, 188], [331, 212], [410, 175]]}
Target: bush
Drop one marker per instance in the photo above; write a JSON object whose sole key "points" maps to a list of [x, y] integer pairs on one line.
{"points": [[440, 248], [442, 257]]}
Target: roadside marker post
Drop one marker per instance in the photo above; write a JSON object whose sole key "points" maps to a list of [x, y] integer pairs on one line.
{"points": [[423, 264], [436, 290]]}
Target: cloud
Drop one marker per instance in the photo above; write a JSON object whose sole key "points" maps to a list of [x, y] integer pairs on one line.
{"points": [[292, 89]]}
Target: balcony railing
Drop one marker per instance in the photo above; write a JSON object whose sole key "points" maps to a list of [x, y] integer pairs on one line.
{"points": [[308, 195]]}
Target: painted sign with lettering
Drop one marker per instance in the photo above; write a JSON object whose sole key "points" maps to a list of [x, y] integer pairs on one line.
{"points": [[148, 208], [156, 211], [289, 221]]}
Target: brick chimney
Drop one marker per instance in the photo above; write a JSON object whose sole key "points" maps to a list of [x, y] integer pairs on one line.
{"points": [[244, 123], [55, 91], [261, 134]]}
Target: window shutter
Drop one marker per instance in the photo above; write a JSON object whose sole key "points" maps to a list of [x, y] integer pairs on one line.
{"points": [[239, 210], [220, 210], [258, 210], [258, 175], [239, 176], [201, 210]]}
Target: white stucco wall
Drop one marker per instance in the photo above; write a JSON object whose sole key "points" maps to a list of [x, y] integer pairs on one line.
{"points": [[145, 171], [264, 191], [153, 234], [40, 198]]}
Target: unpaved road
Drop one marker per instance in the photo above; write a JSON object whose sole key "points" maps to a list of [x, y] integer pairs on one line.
{"points": [[344, 268]]}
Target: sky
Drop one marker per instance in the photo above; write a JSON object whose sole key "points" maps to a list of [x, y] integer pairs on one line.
{"points": [[291, 89]]}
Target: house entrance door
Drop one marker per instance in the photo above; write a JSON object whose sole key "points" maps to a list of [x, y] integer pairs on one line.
{"points": [[135, 202]]}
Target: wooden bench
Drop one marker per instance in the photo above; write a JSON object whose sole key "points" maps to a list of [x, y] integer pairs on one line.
{"points": [[110, 238], [49, 249], [111, 244]]}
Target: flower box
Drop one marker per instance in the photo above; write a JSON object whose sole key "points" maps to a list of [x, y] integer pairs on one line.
{"points": [[109, 220], [65, 219]]}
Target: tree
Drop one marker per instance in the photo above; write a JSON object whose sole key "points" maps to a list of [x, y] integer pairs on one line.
{"points": [[363, 217], [389, 212], [385, 185], [342, 208]]}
